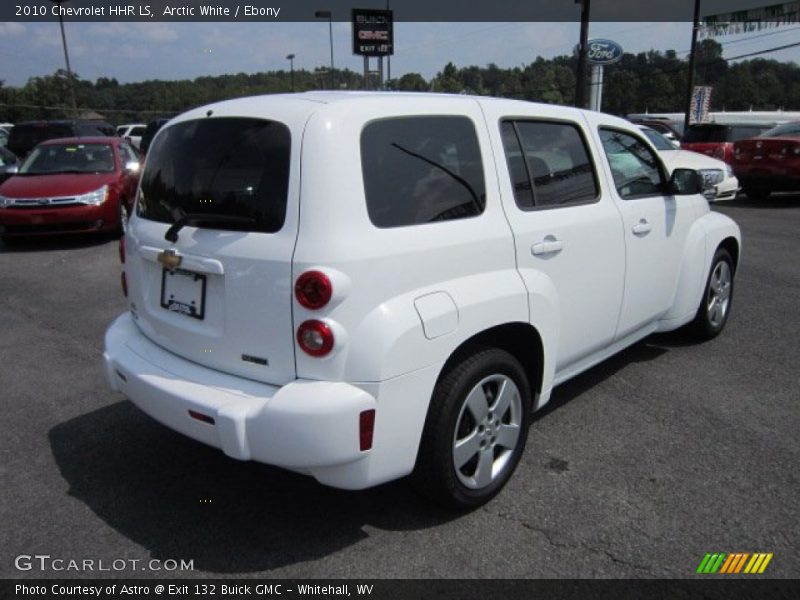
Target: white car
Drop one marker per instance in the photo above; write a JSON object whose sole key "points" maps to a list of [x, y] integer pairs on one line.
{"points": [[132, 132], [717, 173], [404, 301]]}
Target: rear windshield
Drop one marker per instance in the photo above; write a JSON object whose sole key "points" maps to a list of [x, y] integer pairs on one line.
{"points": [[220, 167], [720, 133], [658, 140], [787, 129], [24, 138]]}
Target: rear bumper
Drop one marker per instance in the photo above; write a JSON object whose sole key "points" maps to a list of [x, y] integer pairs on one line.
{"points": [[308, 426], [771, 182]]}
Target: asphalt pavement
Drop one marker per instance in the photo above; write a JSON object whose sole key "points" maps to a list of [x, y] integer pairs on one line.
{"points": [[637, 468]]}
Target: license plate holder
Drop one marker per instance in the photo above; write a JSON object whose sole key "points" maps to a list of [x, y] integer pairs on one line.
{"points": [[184, 292]]}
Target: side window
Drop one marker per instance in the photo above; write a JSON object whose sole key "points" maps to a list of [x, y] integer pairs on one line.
{"points": [[127, 154], [548, 163], [634, 166], [421, 169], [137, 131]]}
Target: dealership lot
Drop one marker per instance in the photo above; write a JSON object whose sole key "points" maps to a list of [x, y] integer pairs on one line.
{"points": [[637, 468]]}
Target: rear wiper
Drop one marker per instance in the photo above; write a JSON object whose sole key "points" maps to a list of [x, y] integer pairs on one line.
{"points": [[203, 218]]}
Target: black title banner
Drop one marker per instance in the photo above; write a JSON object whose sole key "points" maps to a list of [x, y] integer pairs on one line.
{"points": [[404, 10], [484, 589]]}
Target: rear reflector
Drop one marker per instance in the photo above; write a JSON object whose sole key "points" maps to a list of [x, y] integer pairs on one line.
{"points": [[366, 427], [201, 417], [124, 283], [121, 249]]}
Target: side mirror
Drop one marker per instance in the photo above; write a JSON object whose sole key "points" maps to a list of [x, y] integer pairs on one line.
{"points": [[132, 166], [685, 182]]}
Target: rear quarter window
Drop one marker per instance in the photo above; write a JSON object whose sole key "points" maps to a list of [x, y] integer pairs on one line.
{"points": [[24, 138], [422, 170]]}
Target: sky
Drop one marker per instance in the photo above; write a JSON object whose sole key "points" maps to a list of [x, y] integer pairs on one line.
{"points": [[138, 51]]}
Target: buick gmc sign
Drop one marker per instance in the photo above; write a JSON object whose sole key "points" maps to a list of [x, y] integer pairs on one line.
{"points": [[372, 32], [603, 52]]}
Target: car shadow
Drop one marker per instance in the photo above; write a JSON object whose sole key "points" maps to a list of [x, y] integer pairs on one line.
{"points": [[181, 499], [55, 243], [651, 348]]}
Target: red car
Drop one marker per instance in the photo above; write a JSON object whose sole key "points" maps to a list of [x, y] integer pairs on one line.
{"points": [[770, 162], [717, 139], [70, 185]]}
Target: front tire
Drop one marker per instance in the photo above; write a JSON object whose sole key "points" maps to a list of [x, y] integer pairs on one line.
{"points": [[475, 431], [712, 314], [756, 194]]}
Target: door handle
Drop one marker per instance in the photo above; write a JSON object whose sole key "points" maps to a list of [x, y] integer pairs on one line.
{"points": [[550, 245], [643, 227]]}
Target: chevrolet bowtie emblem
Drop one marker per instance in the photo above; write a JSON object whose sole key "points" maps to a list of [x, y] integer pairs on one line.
{"points": [[170, 258]]}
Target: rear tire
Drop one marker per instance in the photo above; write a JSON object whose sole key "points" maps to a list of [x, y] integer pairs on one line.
{"points": [[715, 306], [475, 431], [10, 240]]}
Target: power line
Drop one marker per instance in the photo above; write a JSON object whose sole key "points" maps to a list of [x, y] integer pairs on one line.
{"points": [[98, 110], [764, 51]]}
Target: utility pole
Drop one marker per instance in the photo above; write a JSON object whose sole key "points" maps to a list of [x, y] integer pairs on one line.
{"points": [[580, 89], [690, 79], [66, 57], [326, 14]]}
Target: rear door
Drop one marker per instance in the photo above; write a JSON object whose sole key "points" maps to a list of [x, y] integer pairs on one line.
{"points": [[566, 232], [217, 290]]}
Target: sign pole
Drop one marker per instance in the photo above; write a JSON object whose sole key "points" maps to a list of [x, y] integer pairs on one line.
{"points": [[690, 79], [366, 72], [596, 97]]}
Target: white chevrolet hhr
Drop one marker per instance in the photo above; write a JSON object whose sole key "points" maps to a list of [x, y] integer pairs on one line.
{"points": [[363, 286]]}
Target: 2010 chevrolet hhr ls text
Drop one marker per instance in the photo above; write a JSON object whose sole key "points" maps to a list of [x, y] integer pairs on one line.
{"points": [[363, 286]]}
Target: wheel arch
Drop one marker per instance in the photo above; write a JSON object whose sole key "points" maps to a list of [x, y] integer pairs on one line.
{"points": [[522, 340], [714, 230], [731, 244]]}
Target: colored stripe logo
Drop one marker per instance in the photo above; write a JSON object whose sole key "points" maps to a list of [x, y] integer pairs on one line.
{"points": [[734, 562]]}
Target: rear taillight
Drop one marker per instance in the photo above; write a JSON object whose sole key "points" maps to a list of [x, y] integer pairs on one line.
{"points": [[124, 283], [121, 249], [315, 338], [313, 289], [366, 429], [719, 152]]}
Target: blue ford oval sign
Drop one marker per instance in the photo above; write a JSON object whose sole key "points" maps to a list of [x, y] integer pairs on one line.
{"points": [[603, 52]]}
